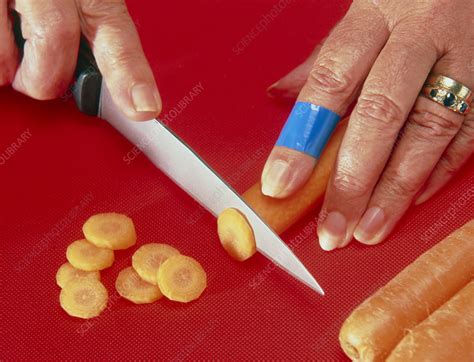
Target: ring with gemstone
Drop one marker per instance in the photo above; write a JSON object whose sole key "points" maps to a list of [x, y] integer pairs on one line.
{"points": [[448, 92]]}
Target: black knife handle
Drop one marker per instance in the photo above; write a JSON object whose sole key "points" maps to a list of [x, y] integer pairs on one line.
{"points": [[88, 81], [87, 77]]}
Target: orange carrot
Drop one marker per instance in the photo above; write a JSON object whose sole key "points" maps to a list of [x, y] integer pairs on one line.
{"points": [[446, 335], [235, 232], [280, 214], [375, 327]]}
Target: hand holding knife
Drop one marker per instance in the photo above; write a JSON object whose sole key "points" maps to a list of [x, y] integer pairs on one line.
{"points": [[179, 162]]}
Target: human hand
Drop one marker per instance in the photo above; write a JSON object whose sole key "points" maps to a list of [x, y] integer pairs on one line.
{"points": [[52, 29], [399, 146]]}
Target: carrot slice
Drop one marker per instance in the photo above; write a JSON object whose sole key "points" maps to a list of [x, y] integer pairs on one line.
{"points": [[66, 272], [446, 335], [375, 327], [86, 256], [83, 298], [148, 258], [110, 230], [236, 235], [181, 278], [130, 286]]}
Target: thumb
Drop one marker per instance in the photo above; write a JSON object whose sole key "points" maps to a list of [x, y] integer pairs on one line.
{"points": [[119, 55], [291, 84]]}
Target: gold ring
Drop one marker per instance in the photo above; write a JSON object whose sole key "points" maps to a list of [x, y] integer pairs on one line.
{"points": [[448, 92]]}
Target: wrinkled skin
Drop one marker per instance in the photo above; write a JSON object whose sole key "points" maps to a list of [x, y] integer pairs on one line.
{"points": [[52, 30], [399, 147]]}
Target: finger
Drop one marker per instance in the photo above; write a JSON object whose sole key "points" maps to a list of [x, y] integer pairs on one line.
{"points": [[333, 82], [429, 129], [388, 96], [51, 30], [120, 57], [291, 84], [456, 155], [8, 50]]}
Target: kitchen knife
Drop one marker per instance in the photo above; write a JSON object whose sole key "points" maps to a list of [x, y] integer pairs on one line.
{"points": [[177, 160]]}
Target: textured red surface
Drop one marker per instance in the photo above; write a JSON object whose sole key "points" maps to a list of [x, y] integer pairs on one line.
{"points": [[73, 166]]}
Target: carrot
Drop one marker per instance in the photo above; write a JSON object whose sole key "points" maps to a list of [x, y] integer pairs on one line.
{"points": [[280, 214], [446, 335], [181, 278], [241, 246], [379, 323], [83, 298]]}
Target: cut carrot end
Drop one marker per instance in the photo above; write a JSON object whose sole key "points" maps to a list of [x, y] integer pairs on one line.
{"points": [[110, 230], [376, 326], [181, 278], [236, 234]]}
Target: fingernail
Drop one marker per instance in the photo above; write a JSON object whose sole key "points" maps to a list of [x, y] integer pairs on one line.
{"points": [[421, 196], [275, 91], [276, 178], [425, 196], [143, 97], [273, 86], [370, 225], [332, 231]]}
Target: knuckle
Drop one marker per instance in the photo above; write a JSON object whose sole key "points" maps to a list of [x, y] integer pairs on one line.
{"points": [[467, 128], [451, 162], [103, 8], [118, 55], [428, 123], [396, 185], [54, 24], [347, 183], [329, 80], [461, 148], [379, 112]]}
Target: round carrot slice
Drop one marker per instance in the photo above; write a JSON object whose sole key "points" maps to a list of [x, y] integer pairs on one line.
{"points": [[86, 256], [66, 272], [130, 286], [110, 230], [236, 235], [83, 298], [148, 258], [181, 278]]}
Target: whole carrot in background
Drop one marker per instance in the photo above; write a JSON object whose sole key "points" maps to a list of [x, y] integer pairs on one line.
{"points": [[446, 335], [375, 327]]}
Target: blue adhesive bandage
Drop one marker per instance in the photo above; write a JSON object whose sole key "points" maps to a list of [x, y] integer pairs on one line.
{"points": [[308, 128]]}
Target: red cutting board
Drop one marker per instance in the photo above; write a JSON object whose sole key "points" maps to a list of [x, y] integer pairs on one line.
{"points": [[73, 166]]}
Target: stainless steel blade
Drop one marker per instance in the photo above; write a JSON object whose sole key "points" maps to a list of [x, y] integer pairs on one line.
{"points": [[173, 157]]}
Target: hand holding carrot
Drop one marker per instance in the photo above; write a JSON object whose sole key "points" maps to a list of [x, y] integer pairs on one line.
{"points": [[400, 146]]}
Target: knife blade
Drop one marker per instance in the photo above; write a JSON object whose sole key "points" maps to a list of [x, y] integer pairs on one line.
{"points": [[176, 159], [184, 166]]}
